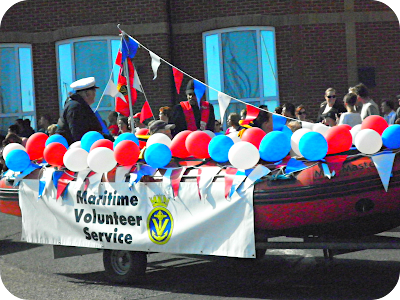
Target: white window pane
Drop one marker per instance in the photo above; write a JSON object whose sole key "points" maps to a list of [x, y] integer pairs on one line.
{"points": [[9, 87], [65, 64], [240, 60], [268, 63], [213, 65], [26, 79], [91, 59]]}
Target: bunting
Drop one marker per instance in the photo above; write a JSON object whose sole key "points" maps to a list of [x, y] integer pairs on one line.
{"points": [[155, 63], [252, 113], [384, 165], [146, 112], [199, 90], [229, 177], [63, 182], [128, 48], [178, 77], [223, 101], [205, 177]]}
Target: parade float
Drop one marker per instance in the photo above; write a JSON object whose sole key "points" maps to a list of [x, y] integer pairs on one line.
{"points": [[206, 194]]}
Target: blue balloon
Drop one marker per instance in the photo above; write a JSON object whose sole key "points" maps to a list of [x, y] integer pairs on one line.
{"points": [[17, 160], [274, 146], [313, 146], [286, 130], [57, 138], [278, 122], [218, 148], [89, 138], [391, 137], [126, 136], [157, 155]]}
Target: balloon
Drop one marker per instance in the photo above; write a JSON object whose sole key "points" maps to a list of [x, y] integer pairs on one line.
{"points": [[253, 135], [218, 148], [89, 138], [234, 136], [197, 144], [17, 160], [126, 153], [35, 145], [178, 147], [274, 146], [142, 131], [126, 136], [294, 141], [102, 143], [278, 122], [158, 155], [313, 146], [391, 137], [243, 155], [12, 146], [75, 159], [346, 125], [339, 139], [286, 130], [368, 141], [356, 129], [101, 160], [210, 133], [308, 125], [54, 153], [374, 122], [58, 138], [159, 138], [76, 144], [319, 127]]}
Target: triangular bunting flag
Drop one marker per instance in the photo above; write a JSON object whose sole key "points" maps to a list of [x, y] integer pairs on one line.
{"points": [[237, 181], [199, 90], [258, 172], [112, 90], [178, 77], [176, 178], [63, 182], [166, 182], [335, 163], [294, 165], [121, 104], [121, 172], [252, 113], [137, 85], [205, 178], [230, 174], [384, 164], [56, 176], [223, 101], [155, 63], [146, 112]]}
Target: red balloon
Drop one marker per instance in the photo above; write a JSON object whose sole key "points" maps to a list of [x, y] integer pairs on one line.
{"points": [[178, 147], [339, 139], [102, 143], [374, 122], [348, 126], [197, 144], [54, 154], [254, 136], [35, 145], [126, 153], [142, 131]]}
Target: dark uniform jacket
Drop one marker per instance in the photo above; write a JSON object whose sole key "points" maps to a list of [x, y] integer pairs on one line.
{"points": [[337, 108], [77, 119]]}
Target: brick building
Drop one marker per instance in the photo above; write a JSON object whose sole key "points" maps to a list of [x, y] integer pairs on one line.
{"points": [[269, 52]]}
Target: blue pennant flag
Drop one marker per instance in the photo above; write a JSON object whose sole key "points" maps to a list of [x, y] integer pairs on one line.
{"points": [[129, 48], [103, 126], [294, 165], [56, 176], [199, 90], [278, 122]]}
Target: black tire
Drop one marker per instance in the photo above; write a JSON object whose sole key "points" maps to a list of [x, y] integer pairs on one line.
{"points": [[125, 266]]}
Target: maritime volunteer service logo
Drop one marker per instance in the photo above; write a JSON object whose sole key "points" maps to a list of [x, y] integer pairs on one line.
{"points": [[160, 222]]}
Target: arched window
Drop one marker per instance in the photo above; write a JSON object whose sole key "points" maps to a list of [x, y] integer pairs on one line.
{"points": [[87, 57], [241, 62], [17, 93]]}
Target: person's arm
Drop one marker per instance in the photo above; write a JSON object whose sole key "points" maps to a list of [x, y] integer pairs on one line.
{"points": [[178, 118], [77, 121], [372, 110]]}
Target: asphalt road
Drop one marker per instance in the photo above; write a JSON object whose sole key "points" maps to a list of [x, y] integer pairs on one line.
{"points": [[29, 271]]}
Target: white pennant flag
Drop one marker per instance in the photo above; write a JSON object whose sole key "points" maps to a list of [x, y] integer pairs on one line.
{"points": [[137, 85], [155, 63], [112, 90], [258, 172], [223, 100], [384, 164]]}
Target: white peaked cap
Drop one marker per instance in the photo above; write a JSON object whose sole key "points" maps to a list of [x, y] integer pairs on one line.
{"points": [[84, 83]]}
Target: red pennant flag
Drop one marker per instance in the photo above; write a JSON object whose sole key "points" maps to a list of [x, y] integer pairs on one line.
{"points": [[176, 177], [178, 77], [118, 60], [252, 113], [63, 182], [121, 105], [335, 162], [145, 112], [229, 176], [198, 182]]}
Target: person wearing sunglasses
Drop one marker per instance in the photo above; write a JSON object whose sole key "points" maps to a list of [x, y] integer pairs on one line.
{"points": [[330, 103]]}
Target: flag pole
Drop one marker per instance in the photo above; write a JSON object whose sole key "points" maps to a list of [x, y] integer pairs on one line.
{"points": [[126, 72]]}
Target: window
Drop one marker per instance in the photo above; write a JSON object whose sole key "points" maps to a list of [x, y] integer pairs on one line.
{"points": [[17, 96], [86, 57], [241, 62]]}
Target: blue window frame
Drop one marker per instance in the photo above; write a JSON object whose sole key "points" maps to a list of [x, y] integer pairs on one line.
{"points": [[86, 57], [17, 93], [241, 62]]}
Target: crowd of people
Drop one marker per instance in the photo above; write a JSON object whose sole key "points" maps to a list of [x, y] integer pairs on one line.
{"points": [[193, 114]]}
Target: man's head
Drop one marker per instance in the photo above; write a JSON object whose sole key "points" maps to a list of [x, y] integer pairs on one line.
{"points": [[350, 99], [191, 96], [387, 106], [159, 126], [362, 92], [233, 119], [329, 118], [288, 110], [86, 88], [112, 117], [330, 96], [44, 121]]}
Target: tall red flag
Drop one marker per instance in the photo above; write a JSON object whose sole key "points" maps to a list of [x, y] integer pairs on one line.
{"points": [[178, 77], [145, 112]]}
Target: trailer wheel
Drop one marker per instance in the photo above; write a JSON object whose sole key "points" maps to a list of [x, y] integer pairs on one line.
{"points": [[125, 266]]}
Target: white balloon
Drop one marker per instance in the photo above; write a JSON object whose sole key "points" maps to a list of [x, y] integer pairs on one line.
{"points": [[354, 131], [210, 133], [295, 139], [234, 137], [159, 138], [12, 146], [243, 155], [75, 159], [368, 141], [308, 125], [319, 127], [101, 160], [76, 144]]}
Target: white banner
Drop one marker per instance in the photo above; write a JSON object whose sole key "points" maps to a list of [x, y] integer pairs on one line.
{"points": [[143, 218]]}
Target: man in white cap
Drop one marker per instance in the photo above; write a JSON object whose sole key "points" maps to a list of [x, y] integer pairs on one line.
{"points": [[77, 117]]}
